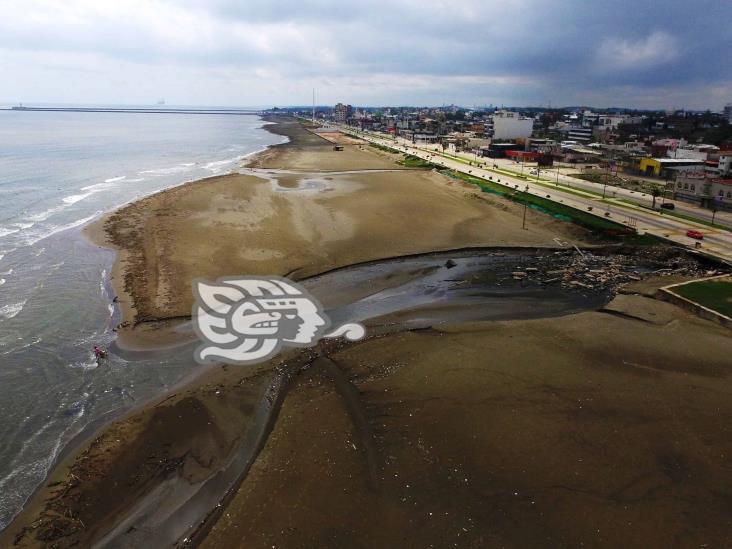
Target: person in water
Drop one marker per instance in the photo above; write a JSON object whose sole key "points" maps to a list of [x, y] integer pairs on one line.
{"points": [[99, 353]]}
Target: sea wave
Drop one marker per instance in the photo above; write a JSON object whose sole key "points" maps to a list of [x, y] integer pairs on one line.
{"points": [[169, 171], [113, 179], [9, 311], [97, 187], [21, 347], [34, 239], [219, 165], [90, 363], [5, 231], [42, 216], [15, 228], [3, 253], [74, 198]]}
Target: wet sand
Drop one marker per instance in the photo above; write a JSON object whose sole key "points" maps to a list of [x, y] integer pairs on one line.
{"points": [[607, 428], [586, 430], [296, 223]]}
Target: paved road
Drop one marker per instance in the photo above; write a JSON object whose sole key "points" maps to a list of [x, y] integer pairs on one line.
{"points": [[643, 199], [716, 242]]}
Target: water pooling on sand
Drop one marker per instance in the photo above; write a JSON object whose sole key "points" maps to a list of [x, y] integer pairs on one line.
{"points": [[57, 172]]}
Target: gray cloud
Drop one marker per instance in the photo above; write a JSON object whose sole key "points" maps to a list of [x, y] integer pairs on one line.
{"points": [[636, 53]]}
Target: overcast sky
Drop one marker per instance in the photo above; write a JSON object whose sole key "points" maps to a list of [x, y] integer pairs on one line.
{"points": [[636, 53]]}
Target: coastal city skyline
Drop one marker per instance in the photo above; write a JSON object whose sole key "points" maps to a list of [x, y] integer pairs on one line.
{"points": [[522, 53]]}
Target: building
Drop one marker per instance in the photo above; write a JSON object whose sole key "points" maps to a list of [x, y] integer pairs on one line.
{"points": [[498, 150], [695, 152], [511, 125], [340, 113], [669, 167], [728, 112], [582, 135], [705, 191]]}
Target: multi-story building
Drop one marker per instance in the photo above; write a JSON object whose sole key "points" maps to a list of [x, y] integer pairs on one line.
{"points": [[511, 125], [582, 135], [728, 112], [340, 113]]}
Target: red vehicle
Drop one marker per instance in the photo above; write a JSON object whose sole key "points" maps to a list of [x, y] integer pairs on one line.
{"points": [[691, 233]]}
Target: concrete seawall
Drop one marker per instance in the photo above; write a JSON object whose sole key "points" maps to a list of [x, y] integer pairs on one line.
{"points": [[667, 294]]}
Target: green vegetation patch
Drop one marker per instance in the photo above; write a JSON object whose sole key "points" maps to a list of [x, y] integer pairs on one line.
{"points": [[382, 148], [411, 161], [557, 210], [712, 294]]}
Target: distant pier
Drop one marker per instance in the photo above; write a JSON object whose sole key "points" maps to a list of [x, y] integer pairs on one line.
{"points": [[138, 110]]}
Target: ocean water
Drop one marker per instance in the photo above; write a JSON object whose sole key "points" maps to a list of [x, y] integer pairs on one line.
{"points": [[58, 171]]}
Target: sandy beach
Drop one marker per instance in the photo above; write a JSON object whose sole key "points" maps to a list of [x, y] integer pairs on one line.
{"points": [[602, 428], [283, 215]]}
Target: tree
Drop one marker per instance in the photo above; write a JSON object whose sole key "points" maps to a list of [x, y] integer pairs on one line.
{"points": [[655, 193]]}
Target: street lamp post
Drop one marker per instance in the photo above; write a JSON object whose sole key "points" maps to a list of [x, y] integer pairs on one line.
{"points": [[526, 205]]}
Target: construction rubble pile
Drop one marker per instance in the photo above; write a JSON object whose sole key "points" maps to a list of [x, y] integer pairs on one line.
{"points": [[606, 272]]}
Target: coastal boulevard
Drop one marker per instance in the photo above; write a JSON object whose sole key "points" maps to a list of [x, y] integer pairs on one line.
{"points": [[717, 242], [556, 177]]}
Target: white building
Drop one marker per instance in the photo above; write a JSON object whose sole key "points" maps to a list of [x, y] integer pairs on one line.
{"points": [[693, 152], [611, 121], [511, 125]]}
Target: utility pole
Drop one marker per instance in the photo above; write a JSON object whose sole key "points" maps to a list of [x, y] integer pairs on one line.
{"points": [[313, 106], [526, 205]]}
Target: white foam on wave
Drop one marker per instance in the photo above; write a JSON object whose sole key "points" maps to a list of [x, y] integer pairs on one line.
{"points": [[101, 282], [3, 253], [42, 216], [9, 311], [24, 346], [180, 168], [36, 465], [136, 180], [5, 231], [59, 228], [90, 363], [113, 179], [219, 165], [15, 228], [2, 281], [97, 187], [74, 198]]}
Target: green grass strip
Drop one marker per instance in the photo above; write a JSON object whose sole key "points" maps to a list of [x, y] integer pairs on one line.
{"points": [[712, 294]]}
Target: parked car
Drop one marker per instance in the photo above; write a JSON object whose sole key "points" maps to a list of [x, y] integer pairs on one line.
{"points": [[691, 233], [668, 206]]}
